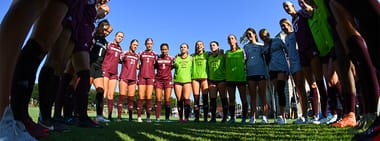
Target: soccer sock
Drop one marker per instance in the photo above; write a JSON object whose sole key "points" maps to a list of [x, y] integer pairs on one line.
{"points": [[368, 82], [99, 101], [167, 109], [69, 102], [110, 108], [324, 98], [244, 110], [213, 108], [130, 106], [158, 109], [225, 107], [24, 76], [333, 101], [139, 107], [205, 106], [196, 107], [120, 105], [180, 108], [148, 107], [187, 108], [47, 87], [314, 94], [83, 86], [232, 111], [61, 93]]}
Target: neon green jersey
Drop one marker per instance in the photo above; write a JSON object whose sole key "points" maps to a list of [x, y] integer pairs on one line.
{"points": [[199, 66], [235, 66], [216, 67], [321, 29], [182, 73]]}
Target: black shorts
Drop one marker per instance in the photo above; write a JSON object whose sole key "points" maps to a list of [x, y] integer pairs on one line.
{"points": [[96, 71], [256, 78]]}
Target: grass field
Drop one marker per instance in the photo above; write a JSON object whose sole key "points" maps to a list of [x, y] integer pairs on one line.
{"points": [[124, 130]]}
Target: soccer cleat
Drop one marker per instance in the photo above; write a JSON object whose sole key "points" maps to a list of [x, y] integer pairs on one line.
{"points": [[139, 120], [100, 118], [224, 120], [157, 120], [119, 120], [243, 120], [333, 119], [280, 120], [323, 120], [231, 121], [252, 120], [264, 120], [213, 120], [347, 121], [12, 130], [148, 120], [88, 123], [315, 121], [34, 129], [167, 120], [300, 120]]}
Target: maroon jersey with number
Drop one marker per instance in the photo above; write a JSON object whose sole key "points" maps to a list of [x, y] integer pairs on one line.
{"points": [[164, 65], [147, 61], [112, 58], [129, 66]]}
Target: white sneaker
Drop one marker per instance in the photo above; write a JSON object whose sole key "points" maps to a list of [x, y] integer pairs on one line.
{"points": [[139, 120], [12, 130], [315, 121], [323, 121], [280, 120], [300, 120], [102, 119], [264, 120], [252, 120], [333, 119]]}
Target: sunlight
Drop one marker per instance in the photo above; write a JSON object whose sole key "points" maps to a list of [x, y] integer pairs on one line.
{"points": [[123, 136]]}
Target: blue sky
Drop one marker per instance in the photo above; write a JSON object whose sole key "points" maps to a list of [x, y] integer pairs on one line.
{"points": [[175, 22]]}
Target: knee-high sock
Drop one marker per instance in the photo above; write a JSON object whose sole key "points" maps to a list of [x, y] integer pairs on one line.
{"points": [[47, 87], [120, 105], [110, 103], [368, 82], [180, 108], [225, 107], [213, 108], [148, 107], [232, 111], [130, 106], [205, 106], [158, 109], [187, 108], [99, 101], [314, 94], [61, 94], [24, 76], [196, 107], [83, 86], [167, 109], [244, 110], [69, 102], [333, 100], [281, 93], [139, 107], [323, 93]]}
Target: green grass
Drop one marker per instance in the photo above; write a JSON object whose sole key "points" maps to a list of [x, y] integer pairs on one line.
{"points": [[199, 131]]}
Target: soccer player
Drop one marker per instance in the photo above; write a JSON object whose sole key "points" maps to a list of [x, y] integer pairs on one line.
{"points": [[216, 82], [236, 77], [164, 80], [127, 84], [256, 73], [146, 79], [110, 69], [182, 81], [199, 80]]}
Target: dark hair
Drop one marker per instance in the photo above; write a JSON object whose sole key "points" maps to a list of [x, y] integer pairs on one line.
{"points": [[147, 39], [214, 42], [244, 39], [237, 45], [134, 40], [100, 28], [262, 31], [195, 47], [164, 44]]}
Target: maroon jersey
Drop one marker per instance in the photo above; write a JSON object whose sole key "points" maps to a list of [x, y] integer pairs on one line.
{"points": [[164, 65], [129, 66], [147, 61], [111, 58]]}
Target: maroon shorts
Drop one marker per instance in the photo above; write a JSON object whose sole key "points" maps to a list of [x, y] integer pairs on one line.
{"points": [[111, 76], [146, 81], [129, 82], [162, 84], [214, 83]]}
